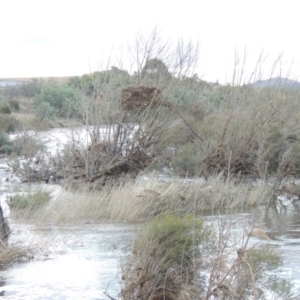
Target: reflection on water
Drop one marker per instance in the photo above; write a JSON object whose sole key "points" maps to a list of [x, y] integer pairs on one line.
{"points": [[283, 225]]}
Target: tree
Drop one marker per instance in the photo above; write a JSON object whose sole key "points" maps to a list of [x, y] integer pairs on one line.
{"points": [[155, 71]]}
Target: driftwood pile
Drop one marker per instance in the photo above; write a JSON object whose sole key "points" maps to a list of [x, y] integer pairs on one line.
{"points": [[130, 146], [137, 98]]}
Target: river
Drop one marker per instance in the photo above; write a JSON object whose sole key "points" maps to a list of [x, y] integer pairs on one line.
{"points": [[82, 261]]}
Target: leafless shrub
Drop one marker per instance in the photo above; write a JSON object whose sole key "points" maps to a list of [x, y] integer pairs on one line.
{"points": [[12, 253], [254, 133], [28, 160]]}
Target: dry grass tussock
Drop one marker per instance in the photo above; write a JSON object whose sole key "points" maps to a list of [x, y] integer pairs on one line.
{"points": [[12, 253], [143, 198], [25, 244]]}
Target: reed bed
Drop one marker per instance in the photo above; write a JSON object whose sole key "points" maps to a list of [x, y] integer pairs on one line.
{"points": [[142, 198]]}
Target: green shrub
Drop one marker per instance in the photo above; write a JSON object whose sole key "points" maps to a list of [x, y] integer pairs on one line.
{"points": [[5, 144], [109, 80], [30, 89], [165, 254], [8, 123], [5, 109], [45, 111], [251, 275], [4, 138], [185, 161], [283, 288], [6, 149], [62, 100], [14, 104], [30, 201]]}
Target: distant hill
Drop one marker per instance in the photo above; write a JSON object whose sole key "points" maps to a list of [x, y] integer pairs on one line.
{"points": [[277, 82]]}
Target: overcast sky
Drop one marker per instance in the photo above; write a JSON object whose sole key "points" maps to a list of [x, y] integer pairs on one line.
{"points": [[73, 37]]}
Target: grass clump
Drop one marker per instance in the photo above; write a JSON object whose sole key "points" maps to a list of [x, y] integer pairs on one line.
{"points": [[5, 144], [31, 201], [5, 110], [164, 258], [136, 200], [12, 253], [8, 123]]}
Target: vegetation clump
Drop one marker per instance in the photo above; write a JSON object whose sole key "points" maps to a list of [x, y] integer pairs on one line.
{"points": [[9, 123], [160, 116], [181, 258], [139, 97], [56, 100], [164, 258], [6, 145], [29, 202], [194, 128]]}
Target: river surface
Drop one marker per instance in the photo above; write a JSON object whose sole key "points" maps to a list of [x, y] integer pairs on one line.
{"points": [[82, 261]]}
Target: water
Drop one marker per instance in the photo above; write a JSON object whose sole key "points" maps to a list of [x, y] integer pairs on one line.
{"points": [[282, 225], [75, 262], [82, 261]]}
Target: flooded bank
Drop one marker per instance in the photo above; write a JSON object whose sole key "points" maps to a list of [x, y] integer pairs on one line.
{"points": [[82, 261]]}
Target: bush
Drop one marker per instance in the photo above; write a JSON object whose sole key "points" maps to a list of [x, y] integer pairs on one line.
{"points": [[110, 80], [8, 123], [5, 109], [244, 135], [175, 258], [4, 138], [32, 88], [62, 100], [164, 258], [6, 145], [14, 104], [27, 144], [45, 111], [186, 161]]}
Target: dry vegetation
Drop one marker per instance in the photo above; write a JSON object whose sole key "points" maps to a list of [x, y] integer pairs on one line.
{"points": [[13, 253], [180, 258], [159, 116], [141, 199]]}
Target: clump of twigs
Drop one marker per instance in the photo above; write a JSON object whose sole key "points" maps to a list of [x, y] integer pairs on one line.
{"points": [[137, 98]]}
